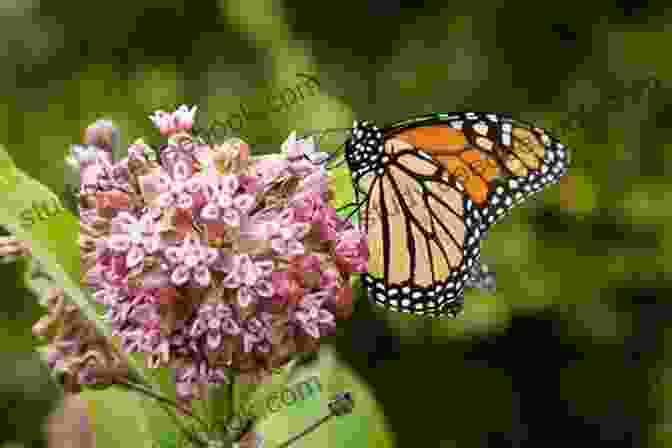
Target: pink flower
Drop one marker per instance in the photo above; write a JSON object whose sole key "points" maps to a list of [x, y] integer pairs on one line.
{"points": [[307, 263], [214, 321], [303, 167], [153, 185], [316, 182], [169, 123], [208, 175], [181, 188], [137, 237], [102, 134], [236, 148], [329, 279], [292, 148], [285, 234], [287, 287], [110, 268], [243, 270], [352, 249], [164, 121], [270, 169], [255, 332], [248, 184], [191, 260], [307, 206], [138, 149], [184, 117], [328, 222], [189, 377], [311, 317], [344, 302], [257, 284], [295, 148], [225, 204], [166, 295]]}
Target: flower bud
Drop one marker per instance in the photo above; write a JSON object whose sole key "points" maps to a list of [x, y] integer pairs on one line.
{"points": [[184, 117], [344, 302], [102, 134], [250, 439], [342, 404], [11, 249], [69, 425]]}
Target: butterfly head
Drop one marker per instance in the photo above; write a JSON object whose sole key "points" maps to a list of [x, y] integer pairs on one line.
{"points": [[364, 149]]}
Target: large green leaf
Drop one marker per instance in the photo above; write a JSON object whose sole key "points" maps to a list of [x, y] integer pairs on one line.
{"points": [[33, 213], [119, 419]]}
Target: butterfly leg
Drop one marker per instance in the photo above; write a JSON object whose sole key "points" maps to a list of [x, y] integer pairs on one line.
{"points": [[352, 204], [483, 278]]}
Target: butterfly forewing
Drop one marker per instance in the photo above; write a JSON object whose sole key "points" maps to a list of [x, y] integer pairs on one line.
{"points": [[500, 161]]}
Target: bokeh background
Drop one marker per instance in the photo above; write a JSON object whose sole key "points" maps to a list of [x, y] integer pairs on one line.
{"points": [[571, 348]]}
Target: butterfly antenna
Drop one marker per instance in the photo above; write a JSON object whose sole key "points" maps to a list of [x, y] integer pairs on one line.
{"points": [[339, 163]]}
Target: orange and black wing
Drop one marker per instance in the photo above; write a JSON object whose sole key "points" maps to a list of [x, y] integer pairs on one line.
{"points": [[500, 161]]}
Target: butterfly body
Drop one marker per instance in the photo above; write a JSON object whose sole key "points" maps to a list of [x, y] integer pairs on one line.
{"points": [[430, 187]]}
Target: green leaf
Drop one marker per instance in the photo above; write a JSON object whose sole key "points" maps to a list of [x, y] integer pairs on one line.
{"points": [[252, 405], [168, 440], [162, 422], [37, 281], [306, 400], [119, 419], [33, 213], [342, 182], [219, 405]]}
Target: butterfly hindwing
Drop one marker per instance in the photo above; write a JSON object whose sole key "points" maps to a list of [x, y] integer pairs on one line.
{"points": [[421, 232]]}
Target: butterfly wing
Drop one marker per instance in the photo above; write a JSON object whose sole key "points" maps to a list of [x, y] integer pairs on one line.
{"points": [[501, 161], [534, 160], [421, 230]]}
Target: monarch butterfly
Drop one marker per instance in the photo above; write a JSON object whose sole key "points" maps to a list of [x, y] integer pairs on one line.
{"points": [[427, 190]]}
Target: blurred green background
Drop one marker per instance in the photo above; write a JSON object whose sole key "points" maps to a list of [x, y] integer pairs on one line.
{"points": [[570, 349]]}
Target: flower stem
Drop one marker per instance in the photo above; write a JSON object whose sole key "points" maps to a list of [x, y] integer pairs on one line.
{"points": [[306, 431], [189, 435], [232, 392], [342, 404], [161, 398], [163, 403]]}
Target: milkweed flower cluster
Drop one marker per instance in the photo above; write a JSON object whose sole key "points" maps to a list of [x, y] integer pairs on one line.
{"points": [[208, 261]]}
